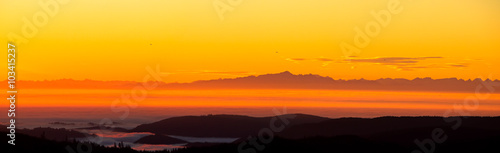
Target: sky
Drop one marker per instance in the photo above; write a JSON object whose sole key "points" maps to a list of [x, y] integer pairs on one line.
{"points": [[208, 39]]}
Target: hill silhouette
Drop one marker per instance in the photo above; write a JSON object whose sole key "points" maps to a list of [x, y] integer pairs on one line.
{"points": [[56, 134], [354, 135], [400, 130], [389, 125], [218, 125], [283, 80], [159, 139], [26, 143]]}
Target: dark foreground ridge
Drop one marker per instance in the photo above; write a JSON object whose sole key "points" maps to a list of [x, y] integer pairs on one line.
{"points": [[233, 126], [308, 134]]}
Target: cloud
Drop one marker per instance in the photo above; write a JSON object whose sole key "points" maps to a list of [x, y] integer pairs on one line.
{"points": [[312, 59], [324, 59], [226, 72], [399, 63], [295, 60], [458, 65], [239, 73], [388, 60], [298, 59], [440, 66]]}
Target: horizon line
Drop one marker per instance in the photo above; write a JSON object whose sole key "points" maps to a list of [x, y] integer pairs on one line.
{"points": [[300, 74]]}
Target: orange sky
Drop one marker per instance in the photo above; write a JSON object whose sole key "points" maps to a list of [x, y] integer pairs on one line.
{"points": [[117, 40], [390, 101]]}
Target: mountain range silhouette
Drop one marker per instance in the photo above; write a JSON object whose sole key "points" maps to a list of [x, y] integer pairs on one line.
{"points": [[287, 80]]}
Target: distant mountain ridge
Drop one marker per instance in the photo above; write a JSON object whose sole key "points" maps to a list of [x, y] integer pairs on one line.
{"points": [[284, 80]]}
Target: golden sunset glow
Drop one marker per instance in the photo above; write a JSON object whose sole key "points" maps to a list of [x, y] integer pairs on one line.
{"points": [[256, 98], [194, 40], [252, 76], [116, 40]]}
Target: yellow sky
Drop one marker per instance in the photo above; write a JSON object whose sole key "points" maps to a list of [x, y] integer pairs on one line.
{"points": [[117, 40]]}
